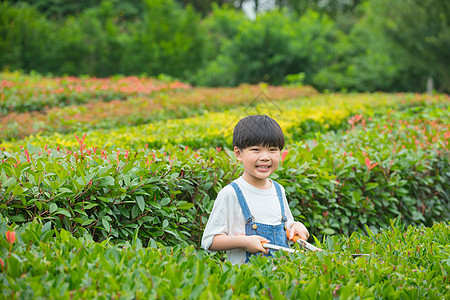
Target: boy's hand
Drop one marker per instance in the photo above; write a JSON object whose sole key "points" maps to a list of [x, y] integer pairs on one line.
{"points": [[299, 229], [253, 244]]}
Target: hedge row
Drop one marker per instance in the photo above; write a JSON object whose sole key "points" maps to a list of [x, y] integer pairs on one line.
{"points": [[300, 117], [395, 164], [25, 93], [380, 169], [404, 263], [45, 105]]}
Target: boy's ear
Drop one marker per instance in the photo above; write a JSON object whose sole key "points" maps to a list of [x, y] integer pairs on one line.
{"points": [[237, 153]]}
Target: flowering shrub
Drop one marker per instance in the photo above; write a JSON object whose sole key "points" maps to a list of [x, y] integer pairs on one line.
{"points": [[90, 214], [22, 93], [375, 171], [300, 118], [395, 164], [73, 104], [150, 194]]}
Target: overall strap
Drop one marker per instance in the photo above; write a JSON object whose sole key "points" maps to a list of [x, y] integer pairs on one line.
{"points": [[280, 198], [245, 210]]}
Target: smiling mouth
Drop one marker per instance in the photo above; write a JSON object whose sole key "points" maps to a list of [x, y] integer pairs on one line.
{"points": [[263, 167]]}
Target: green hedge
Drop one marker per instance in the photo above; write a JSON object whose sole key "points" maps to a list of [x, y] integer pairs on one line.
{"points": [[404, 263], [37, 104], [201, 126], [23, 93], [398, 163], [166, 195]]}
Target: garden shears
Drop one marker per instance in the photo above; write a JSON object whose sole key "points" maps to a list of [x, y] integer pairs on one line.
{"points": [[301, 242], [295, 239]]}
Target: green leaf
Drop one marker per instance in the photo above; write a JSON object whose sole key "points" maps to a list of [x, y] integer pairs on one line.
{"points": [[47, 226], [346, 291], [87, 222], [128, 167], [32, 149], [165, 201], [195, 293], [65, 190], [90, 205], [185, 206], [125, 212], [134, 211], [78, 220], [356, 196], [141, 202], [106, 225], [63, 211], [8, 182], [13, 266], [369, 232], [53, 207], [64, 235], [208, 185], [329, 231], [318, 151], [54, 185], [371, 185], [165, 223], [18, 190], [108, 180]]}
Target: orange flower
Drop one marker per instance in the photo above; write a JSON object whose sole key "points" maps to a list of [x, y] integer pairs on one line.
{"points": [[11, 236]]}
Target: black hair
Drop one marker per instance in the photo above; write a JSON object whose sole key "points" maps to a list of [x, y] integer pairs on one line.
{"points": [[258, 130]]}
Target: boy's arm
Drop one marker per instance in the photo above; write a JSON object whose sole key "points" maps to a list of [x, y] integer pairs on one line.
{"points": [[217, 235], [251, 243]]}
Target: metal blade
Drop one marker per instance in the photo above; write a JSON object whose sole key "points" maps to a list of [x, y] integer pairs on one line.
{"points": [[307, 245], [276, 247], [360, 254]]}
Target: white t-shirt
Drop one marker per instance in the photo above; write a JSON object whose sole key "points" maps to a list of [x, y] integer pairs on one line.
{"points": [[227, 217]]}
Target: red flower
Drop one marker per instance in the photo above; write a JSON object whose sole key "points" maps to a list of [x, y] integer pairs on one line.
{"points": [[369, 164], [11, 236], [283, 155]]}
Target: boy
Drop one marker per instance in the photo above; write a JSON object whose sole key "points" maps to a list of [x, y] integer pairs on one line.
{"points": [[253, 208]]}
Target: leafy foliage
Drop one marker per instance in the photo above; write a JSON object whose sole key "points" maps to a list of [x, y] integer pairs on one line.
{"points": [[22, 93], [37, 104], [340, 46], [367, 171], [118, 213], [425, 39], [271, 47], [404, 262]]}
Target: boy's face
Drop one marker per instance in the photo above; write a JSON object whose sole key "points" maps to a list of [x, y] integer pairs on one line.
{"points": [[259, 163]]}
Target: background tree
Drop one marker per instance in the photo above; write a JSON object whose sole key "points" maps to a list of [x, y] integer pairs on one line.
{"points": [[205, 6], [331, 7], [421, 28], [58, 9], [345, 45]]}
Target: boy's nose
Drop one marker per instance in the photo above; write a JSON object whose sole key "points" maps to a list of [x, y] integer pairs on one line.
{"points": [[264, 156]]}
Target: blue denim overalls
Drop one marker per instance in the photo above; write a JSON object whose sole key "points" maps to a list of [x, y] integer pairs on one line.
{"points": [[276, 234]]}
